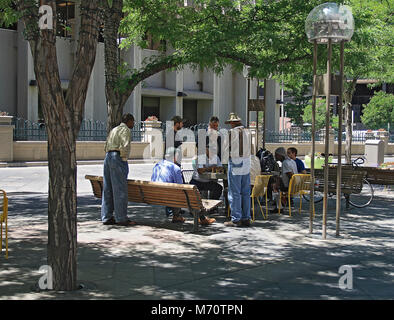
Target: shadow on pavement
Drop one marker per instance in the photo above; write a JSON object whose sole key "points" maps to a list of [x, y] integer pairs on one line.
{"points": [[274, 259]]}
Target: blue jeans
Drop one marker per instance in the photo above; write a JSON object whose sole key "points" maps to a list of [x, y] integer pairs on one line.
{"points": [[238, 191], [115, 188]]}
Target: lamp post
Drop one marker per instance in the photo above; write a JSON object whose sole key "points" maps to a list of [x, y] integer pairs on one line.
{"points": [[328, 23]]}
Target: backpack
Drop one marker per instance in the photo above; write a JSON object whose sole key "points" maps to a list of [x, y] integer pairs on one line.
{"points": [[267, 161]]}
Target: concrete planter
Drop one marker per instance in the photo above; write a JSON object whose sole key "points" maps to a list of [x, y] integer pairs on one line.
{"points": [[152, 124], [5, 120]]}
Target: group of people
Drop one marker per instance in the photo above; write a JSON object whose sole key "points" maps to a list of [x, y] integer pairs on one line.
{"points": [[240, 166]]}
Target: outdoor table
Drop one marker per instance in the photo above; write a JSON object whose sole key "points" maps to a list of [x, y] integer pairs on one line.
{"points": [[213, 176]]}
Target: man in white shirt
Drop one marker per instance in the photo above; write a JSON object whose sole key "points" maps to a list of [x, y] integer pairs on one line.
{"points": [[289, 167], [239, 173], [205, 164]]}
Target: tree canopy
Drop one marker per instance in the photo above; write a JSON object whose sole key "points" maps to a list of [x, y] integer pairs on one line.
{"points": [[379, 112], [320, 114]]}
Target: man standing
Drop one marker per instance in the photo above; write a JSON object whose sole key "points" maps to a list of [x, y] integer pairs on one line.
{"points": [[238, 174], [116, 169], [169, 172], [178, 125], [213, 140]]}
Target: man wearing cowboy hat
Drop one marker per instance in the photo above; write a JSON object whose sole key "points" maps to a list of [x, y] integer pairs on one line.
{"points": [[239, 173]]}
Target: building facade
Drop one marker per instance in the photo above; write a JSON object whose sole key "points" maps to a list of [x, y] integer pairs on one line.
{"points": [[192, 94]]}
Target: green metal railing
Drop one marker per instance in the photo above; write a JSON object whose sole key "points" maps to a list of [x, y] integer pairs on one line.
{"points": [[91, 130]]}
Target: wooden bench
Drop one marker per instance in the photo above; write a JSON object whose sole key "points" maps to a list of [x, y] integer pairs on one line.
{"points": [[378, 176], [351, 182], [165, 194]]}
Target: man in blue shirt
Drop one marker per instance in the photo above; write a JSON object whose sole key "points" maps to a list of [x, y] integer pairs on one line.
{"points": [[169, 172], [292, 154]]}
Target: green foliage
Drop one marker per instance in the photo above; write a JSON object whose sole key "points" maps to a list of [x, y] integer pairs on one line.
{"points": [[379, 111], [268, 36], [8, 14], [320, 115], [299, 90]]}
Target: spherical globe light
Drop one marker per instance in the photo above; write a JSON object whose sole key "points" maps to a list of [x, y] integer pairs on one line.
{"points": [[330, 21]]}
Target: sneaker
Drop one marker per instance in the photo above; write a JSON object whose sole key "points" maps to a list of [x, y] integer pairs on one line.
{"points": [[206, 221], [178, 219], [245, 223], [110, 221], [232, 224]]}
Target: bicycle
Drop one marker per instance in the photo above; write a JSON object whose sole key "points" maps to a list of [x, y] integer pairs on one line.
{"points": [[359, 200]]}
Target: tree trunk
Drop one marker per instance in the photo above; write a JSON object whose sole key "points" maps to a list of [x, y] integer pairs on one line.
{"points": [[348, 113], [112, 17], [63, 117], [62, 217]]}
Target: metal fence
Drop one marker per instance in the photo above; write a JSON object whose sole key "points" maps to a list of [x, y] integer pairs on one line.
{"points": [[291, 136], [91, 130]]}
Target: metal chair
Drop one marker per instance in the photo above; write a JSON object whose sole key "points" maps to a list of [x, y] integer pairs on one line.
{"points": [[299, 184], [4, 220], [260, 190]]}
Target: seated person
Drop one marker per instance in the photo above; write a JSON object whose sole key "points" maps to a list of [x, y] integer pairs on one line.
{"points": [[168, 171], [292, 154], [206, 164], [255, 168], [289, 168]]}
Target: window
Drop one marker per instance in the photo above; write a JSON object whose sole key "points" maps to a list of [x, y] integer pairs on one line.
{"points": [[150, 107]]}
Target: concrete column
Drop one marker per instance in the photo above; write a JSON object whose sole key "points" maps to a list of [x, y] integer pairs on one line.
{"points": [[216, 95], [272, 108], [89, 102], [22, 74], [6, 139], [137, 101], [179, 88]]}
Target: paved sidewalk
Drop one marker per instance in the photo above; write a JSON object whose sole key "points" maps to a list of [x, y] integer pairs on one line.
{"points": [[274, 259]]}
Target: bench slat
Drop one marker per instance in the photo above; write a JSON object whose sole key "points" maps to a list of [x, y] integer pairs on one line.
{"points": [[351, 182]]}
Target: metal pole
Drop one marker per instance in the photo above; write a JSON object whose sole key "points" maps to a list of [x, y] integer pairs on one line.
{"points": [[326, 149], [264, 113], [247, 107], [282, 106], [312, 190], [257, 121], [339, 170]]}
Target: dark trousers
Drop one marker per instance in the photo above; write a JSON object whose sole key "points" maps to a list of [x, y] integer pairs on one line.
{"points": [[279, 182], [214, 188]]}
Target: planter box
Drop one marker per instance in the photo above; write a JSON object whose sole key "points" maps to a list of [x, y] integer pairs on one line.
{"points": [[5, 120]]}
